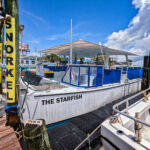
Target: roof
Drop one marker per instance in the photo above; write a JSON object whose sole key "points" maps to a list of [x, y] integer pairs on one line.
{"points": [[31, 57], [84, 48], [25, 47]]}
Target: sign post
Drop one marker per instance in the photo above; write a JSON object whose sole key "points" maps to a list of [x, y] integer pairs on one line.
{"points": [[10, 60], [1, 56], [1, 45]]}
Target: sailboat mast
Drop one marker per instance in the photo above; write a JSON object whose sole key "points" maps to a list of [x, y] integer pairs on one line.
{"points": [[71, 41]]}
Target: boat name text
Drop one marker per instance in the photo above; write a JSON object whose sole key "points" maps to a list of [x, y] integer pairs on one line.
{"points": [[61, 99]]}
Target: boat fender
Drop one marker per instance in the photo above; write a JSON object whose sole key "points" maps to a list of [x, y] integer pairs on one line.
{"points": [[14, 107]]}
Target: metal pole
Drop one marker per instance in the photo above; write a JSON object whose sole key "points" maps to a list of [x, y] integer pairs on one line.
{"points": [[71, 41], [21, 46], [35, 56]]}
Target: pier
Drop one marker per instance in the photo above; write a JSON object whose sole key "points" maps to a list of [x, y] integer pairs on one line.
{"points": [[8, 138]]}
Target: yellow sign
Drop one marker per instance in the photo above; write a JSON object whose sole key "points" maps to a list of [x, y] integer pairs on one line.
{"points": [[1, 51], [10, 59]]}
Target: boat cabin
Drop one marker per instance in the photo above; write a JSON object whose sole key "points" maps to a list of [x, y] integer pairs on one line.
{"points": [[81, 75]]}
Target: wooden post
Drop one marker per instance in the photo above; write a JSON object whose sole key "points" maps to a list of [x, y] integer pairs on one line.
{"points": [[146, 73], [1, 55], [1, 46], [36, 135], [11, 7]]}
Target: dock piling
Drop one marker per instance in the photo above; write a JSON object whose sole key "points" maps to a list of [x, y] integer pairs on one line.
{"points": [[36, 135]]}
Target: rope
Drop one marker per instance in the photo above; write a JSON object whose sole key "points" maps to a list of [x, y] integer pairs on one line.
{"points": [[89, 135], [33, 137]]}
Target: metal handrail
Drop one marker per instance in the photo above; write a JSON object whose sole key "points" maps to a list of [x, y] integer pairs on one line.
{"points": [[115, 108]]}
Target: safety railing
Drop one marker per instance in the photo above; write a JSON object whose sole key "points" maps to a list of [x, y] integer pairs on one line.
{"points": [[138, 123], [126, 101], [124, 112]]}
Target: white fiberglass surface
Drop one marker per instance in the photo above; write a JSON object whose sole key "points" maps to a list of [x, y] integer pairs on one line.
{"points": [[146, 130]]}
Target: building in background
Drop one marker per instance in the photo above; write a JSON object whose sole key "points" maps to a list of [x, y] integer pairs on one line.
{"points": [[29, 60], [24, 50]]}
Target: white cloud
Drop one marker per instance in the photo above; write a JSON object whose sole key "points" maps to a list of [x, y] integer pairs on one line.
{"points": [[136, 37], [59, 36], [37, 54], [52, 38], [75, 33], [36, 19], [34, 41]]}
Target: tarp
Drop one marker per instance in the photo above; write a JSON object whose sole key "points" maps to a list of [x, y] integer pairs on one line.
{"points": [[56, 68], [82, 48], [134, 73], [111, 76]]}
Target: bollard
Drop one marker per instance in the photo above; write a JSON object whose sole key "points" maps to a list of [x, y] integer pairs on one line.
{"points": [[36, 136], [127, 105], [89, 142], [138, 127]]}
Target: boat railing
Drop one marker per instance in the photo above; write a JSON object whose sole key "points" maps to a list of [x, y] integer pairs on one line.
{"points": [[125, 111], [138, 123]]}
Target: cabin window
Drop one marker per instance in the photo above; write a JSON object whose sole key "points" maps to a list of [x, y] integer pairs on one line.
{"points": [[27, 62], [33, 62]]}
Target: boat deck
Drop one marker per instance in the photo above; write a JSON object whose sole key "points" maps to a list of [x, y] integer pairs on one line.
{"points": [[8, 139], [45, 86], [51, 86]]}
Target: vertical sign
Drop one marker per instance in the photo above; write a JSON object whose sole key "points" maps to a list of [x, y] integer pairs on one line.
{"points": [[1, 54], [10, 59]]}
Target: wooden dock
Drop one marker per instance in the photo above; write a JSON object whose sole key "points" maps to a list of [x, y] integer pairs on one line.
{"points": [[8, 139]]}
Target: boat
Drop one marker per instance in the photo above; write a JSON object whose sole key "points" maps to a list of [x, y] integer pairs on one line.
{"points": [[129, 128], [83, 88]]}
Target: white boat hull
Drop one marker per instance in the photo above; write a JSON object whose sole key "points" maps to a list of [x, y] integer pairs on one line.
{"points": [[57, 107]]}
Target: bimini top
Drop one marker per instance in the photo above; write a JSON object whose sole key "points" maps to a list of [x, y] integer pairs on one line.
{"points": [[83, 48]]}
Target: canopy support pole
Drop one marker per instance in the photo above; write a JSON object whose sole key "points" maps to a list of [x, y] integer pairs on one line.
{"points": [[71, 41], [107, 61], [127, 61]]}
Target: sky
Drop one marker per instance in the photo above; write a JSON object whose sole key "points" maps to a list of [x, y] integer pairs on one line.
{"points": [[122, 24]]}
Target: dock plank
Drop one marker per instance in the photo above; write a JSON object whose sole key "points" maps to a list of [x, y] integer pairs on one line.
{"points": [[8, 139]]}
